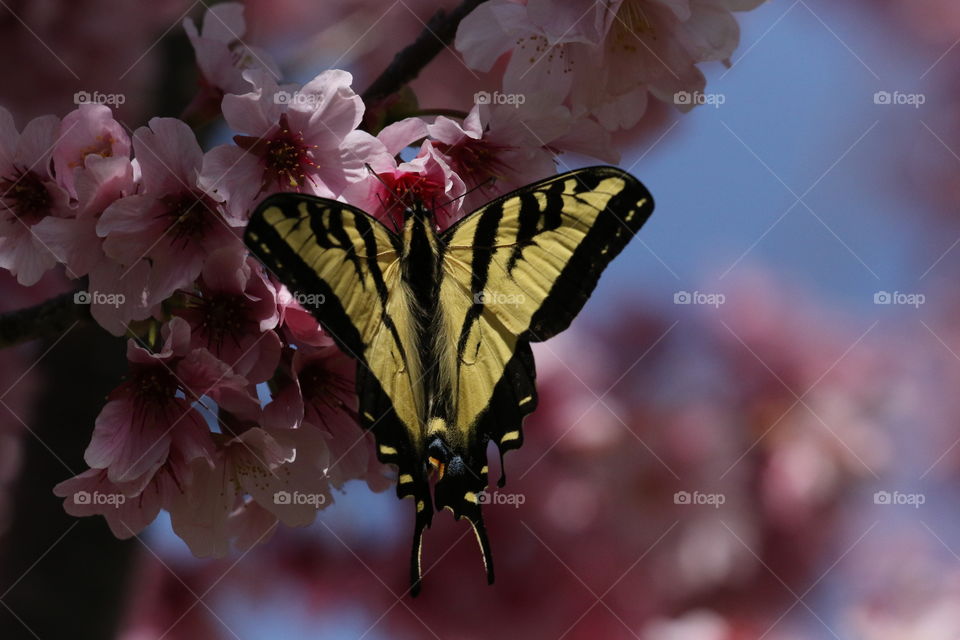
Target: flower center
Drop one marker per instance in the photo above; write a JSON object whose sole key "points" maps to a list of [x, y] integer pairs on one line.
{"points": [[476, 161], [190, 214], [405, 190], [153, 386], [286, 156], [26, 196], [630, 24], [324, 388], [102, 146], [222, 317]]}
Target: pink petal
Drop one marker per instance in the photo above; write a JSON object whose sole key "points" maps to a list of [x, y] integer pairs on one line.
{"points": [[169, 154], [480, 36], [398, 136]]}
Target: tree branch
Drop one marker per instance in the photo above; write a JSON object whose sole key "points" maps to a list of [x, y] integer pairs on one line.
{"points": [[410, 61], [49, 318]]}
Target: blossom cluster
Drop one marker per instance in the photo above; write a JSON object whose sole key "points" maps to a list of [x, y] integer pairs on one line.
{"points": [[238, 410]]}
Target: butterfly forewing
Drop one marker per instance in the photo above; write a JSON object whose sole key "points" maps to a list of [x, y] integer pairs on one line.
{"points": [[520, 269], [348, 263]]}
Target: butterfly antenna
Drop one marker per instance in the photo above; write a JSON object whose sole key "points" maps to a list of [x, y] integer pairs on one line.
{"points": [[481, 185]]}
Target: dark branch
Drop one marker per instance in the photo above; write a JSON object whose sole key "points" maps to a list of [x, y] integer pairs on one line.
{"points": [[407, 64], [46, 319]]}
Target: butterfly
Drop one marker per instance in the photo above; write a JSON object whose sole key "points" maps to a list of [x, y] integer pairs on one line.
{"points": [[440, 323]]}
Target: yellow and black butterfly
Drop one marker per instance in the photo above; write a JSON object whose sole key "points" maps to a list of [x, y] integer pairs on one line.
{"points": [[441, 323]]}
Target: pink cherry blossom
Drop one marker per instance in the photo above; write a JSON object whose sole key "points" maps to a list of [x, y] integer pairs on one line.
{"points": [[281, 470], [319, 393], [392, 187], [28, 195], [124, 287], [75, 239], [88, 130], [128, 508], [222, 55], [505, 147], [144, 417], [603, 58], [233, 314], [171, 220], [303, 140], [298, 325]]}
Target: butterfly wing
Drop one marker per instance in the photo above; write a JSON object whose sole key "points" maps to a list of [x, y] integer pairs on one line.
{"points": [[350, 262], [519, 270]]}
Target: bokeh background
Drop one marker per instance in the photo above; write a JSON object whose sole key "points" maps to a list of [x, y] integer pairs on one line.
{"points": [[777, 458]]}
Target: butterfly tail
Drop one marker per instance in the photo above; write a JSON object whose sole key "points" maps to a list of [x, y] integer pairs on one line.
{"points": [[424, 518]]}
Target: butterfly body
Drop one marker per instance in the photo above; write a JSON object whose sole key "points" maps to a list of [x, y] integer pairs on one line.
{"points": [[440, 323]]}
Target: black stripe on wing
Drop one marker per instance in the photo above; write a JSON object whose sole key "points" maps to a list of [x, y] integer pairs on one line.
{"points": [[285, 261], [614, 227]]}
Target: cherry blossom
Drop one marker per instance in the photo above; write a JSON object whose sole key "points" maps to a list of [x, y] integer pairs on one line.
{"points": [[170, 220], [319, 393], [88, 131], [144, 417], [281, 470], [298, 325], [605, 58], [293, 139], [28, 195], [498, 149], [222, 55], [122, 290], [233, 313], [391, 187], [127, 507]]}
